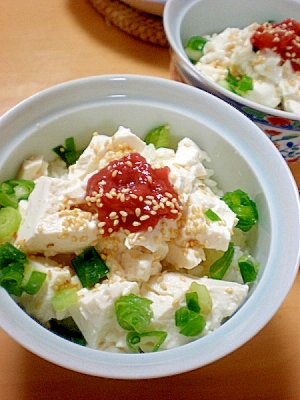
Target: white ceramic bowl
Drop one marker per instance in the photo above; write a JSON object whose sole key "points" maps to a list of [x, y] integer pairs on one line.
{"points": [[184, 19], [242, 158]]}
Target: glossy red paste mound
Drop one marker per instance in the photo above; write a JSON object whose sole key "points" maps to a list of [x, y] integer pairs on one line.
{"points": [[283, 38], [128, 193]]}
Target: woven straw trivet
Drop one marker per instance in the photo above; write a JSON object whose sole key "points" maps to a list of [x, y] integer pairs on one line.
{"points": [[147, 27]]}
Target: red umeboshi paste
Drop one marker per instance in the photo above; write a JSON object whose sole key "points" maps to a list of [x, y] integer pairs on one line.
{"points": [[129, 194], [283, 38]]}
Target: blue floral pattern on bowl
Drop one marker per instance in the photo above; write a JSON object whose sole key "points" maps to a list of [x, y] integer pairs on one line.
{"points": [[283, 132]]}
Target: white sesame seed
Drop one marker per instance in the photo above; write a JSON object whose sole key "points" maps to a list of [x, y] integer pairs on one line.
{"points": [[136, 223], [122, 198], [144, 217]]}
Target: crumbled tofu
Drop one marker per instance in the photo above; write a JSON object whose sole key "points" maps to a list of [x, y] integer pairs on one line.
{"points": [[33, 168], [40, 305], [264, 93], [49, 227], [103, 149], [95, 312], [139, 265], [88, 162], [167, 291]]}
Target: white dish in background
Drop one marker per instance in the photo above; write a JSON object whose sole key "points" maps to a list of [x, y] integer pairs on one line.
{"points": [[241, 158], [155, 7]]}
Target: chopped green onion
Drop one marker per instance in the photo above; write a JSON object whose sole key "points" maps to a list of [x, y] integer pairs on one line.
{"points": [[182, 316], [204, 298], [14, 269], [14, 190], [188, 317], [192, 301], [133, 339], [10, 220], [211, 215], [68, 153], [12, 263], [10, 254], [133, 312], [35, 282], [159, 136], [11, 278], [244, 208], [194, 48], [89, 267], [64, 299], [67, 329], [191, 322], [218, 269], [238, 85], [248, 267], [245, 84], [160, 335], [231, 79], [195, 325]]}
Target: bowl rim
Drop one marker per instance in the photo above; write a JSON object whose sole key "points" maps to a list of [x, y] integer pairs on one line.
{"points": [[171, 20], [47, 345]]}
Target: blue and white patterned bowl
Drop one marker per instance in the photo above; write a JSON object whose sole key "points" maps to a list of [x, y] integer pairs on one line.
{"points": [[199, 17]]}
